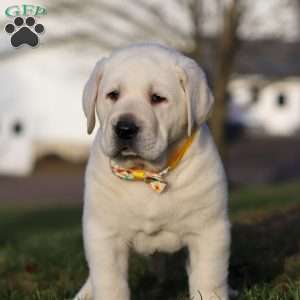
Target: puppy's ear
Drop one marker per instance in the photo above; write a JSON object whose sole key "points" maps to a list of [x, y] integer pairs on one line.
{"points": [[198, 95], [90, 94]]}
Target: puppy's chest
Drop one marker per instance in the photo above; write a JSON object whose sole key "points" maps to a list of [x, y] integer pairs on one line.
{"points": [[151, 214], [156, 227], [140, 209]]}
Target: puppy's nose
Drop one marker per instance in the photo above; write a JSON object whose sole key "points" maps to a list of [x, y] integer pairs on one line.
{"points": [[126, 130]]}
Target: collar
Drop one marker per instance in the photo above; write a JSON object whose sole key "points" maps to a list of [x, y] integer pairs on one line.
{"points": [[155, 180]]}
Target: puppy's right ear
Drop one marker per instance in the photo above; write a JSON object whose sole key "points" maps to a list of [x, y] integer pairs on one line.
{"points": [[90, 94]]}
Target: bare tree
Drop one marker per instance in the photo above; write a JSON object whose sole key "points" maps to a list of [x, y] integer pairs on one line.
{"points": [[226, 46], [226, 51]]}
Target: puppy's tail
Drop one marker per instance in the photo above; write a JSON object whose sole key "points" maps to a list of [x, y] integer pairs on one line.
{"points": [[85, 292]]}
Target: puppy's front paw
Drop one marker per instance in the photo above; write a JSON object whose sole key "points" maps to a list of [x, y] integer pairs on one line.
{"points": [[209, 295], [85, 292]]}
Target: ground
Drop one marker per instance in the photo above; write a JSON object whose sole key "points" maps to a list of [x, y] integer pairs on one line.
{"points": [[41, 254]]}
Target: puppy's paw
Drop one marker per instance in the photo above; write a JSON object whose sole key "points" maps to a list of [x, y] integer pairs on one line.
{"points": [[85, 292], [201, 295]]}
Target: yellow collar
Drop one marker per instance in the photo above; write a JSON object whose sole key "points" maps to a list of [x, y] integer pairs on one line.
{"points": [[178, 154], [155, 180]]}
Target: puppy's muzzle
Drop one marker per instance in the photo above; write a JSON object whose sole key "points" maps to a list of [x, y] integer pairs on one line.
{"points": [[126, 129]]}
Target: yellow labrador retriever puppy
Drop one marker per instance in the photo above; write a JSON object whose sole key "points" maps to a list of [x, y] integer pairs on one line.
{"points": [[154, 180]]}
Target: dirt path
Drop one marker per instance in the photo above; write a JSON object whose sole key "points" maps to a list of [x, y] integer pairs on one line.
{"points": [[53, 181]]}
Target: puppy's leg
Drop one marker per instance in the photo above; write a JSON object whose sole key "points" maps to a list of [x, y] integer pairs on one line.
{"points": [[108, 264], [85, 292], [209, 254]]}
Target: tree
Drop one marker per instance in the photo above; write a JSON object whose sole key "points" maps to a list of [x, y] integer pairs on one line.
{"points": [[228, 46]]}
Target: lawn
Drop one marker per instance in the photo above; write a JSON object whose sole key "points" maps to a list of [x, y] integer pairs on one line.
{"points": [[41, 254]]}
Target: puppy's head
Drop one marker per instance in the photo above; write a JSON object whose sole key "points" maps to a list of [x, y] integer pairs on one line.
{"points": [[146, 97]]}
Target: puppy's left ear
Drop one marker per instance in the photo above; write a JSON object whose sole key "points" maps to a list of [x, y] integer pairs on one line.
{"points": [[90, 94], [198, 95]]}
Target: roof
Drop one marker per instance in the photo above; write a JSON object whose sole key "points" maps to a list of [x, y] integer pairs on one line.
{"points": [[272, 58]]}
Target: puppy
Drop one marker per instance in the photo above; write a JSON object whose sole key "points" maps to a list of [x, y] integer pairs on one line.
{"points": [[154, 180]]}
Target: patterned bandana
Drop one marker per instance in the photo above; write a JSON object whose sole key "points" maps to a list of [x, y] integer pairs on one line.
{"points": [[155, 180]]}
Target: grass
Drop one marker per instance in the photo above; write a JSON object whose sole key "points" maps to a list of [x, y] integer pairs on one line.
{"points": [[263, 201], [41, 254]]}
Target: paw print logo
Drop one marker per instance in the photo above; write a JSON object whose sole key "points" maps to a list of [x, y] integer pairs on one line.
{"points": [[24, 31]]}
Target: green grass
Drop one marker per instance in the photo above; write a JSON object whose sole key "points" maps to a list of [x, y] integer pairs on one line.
{"points": [[41, 254], [264, 200]]}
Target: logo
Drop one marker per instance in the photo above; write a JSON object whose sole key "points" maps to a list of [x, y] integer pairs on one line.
{"points": [[24, 29]]}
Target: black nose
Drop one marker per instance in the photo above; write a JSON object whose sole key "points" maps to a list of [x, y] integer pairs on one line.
{"points": [[126, 130]]}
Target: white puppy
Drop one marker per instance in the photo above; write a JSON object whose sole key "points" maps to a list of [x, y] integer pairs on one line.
{"points": [[148, 100]]}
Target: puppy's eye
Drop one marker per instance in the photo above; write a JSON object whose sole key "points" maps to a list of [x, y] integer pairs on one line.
{"points": [[155, 99], [113, 95]]}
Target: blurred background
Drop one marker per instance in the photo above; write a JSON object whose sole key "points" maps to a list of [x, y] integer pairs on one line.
{"points": [[250, 52]]}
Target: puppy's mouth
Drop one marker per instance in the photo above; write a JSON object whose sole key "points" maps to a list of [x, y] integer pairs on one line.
{"points": [[127, 153], [129, 158]]}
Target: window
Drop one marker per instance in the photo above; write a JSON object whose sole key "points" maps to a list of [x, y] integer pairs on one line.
{"points": [[17, 128], [281, 100], [254, 94]]}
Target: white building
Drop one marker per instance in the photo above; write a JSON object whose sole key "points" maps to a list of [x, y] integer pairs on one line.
{"points": [[277, 110], [266, 108], [40, 109], [243, 92]]}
